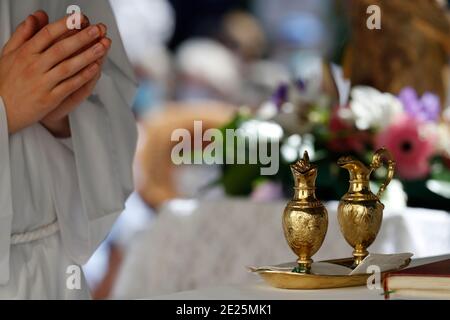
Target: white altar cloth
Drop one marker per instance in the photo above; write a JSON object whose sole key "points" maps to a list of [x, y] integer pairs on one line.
{"points": [[258, 290], [205, 243]]}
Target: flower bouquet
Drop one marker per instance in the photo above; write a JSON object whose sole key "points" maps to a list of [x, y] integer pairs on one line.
{"points": [[415, 128]]}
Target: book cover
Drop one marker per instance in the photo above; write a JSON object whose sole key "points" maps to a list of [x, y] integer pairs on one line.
{"points": [[429, 280]]}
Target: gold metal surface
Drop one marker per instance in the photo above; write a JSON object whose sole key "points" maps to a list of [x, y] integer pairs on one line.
{"points": [[360, 212], [293, 280], [305, 219]]}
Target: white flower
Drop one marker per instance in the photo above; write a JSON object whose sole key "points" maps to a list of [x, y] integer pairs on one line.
{"points": [[446, 114], [439, 132], [267, 111], [372, 109], [443, 145], [395, 197]]}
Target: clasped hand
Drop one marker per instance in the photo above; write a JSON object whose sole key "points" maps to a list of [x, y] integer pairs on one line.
{"points": [[46, 71]]}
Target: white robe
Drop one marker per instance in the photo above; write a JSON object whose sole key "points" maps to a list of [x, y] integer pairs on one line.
{"points": [[59, 198]]}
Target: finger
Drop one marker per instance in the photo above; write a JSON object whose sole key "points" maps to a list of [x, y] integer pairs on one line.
{"points": [[68, 68], [48, 35], [85, 91], [84, 24], [22, 34], [74, 100], [42, 18], [101, 61], [69, 86], [67, 47], [102, 35], [103, 29], [107, 43]]}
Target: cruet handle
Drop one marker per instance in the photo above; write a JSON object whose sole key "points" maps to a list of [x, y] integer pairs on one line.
{"points": [[384, 156]]}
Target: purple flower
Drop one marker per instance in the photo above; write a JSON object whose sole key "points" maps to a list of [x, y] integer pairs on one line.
{"points": [[281, 95], [300, 84], [425, 108], [432, 106]]}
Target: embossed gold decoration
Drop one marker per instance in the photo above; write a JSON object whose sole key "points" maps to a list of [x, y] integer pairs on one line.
{"points": [[360, 212], [305, 219]]}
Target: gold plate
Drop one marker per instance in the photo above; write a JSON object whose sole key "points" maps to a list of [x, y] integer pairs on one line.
{"points": [[292, 280]]}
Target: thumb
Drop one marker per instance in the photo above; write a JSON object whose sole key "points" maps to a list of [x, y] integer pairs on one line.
{"points": [[23, 32]]}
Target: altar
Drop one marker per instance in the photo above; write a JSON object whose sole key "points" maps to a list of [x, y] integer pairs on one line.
{"points": [[201, 248]]}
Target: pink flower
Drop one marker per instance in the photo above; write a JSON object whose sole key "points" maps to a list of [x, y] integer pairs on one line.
{"points": [[410, 149], [344, 137]]}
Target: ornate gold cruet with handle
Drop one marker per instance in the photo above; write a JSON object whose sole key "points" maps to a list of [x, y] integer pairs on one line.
{"points": [[305, 219], [360, 211]]}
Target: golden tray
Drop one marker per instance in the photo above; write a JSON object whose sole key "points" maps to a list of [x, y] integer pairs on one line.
{"points": [[292, 280]]}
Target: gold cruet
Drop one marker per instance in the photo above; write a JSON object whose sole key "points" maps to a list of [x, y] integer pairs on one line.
{"points": [[360, 212], [305, 219]]}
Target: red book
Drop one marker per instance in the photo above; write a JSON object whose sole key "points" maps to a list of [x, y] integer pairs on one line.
{"points": [[428, 281]]}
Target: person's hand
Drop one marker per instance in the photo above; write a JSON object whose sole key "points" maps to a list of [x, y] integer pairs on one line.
{"points": [[41, 74], [57, 121]]}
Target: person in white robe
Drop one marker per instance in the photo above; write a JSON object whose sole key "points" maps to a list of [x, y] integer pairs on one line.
{"points": [[60, 197]]}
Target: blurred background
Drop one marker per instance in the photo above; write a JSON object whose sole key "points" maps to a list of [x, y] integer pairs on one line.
{"points": [[313, 74]]}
